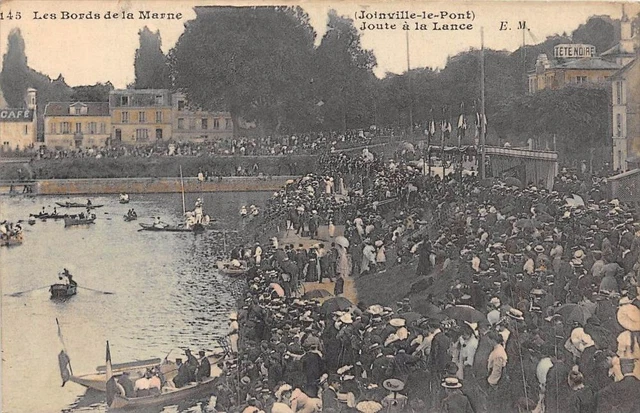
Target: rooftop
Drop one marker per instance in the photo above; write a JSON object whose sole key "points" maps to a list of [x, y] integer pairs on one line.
{"points": [[62, 108]]}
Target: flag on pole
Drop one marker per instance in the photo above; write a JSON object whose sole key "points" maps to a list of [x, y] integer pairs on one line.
{"points": [[432, 125], [109, 366], [445, 125], [462, 123]]}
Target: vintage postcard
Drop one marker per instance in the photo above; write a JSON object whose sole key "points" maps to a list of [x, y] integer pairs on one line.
{"points": [[316, 206]]}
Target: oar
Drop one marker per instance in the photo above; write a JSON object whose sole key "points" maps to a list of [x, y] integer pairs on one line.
{"points": [[18, 294], [97, 291]]}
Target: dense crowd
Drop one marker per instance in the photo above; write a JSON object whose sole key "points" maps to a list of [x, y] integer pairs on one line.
{"points": [[525, 299], [295, 144]]}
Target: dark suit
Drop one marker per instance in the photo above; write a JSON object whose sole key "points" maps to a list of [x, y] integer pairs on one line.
{"points": [[620, 397]]}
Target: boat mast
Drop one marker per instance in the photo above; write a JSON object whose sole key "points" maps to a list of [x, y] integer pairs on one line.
{"points": [[184, 207]]}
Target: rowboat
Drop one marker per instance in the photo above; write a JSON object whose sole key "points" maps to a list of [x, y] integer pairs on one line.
{"points": [[128, 218], [62, 290], [77, 205], [48, 216], [124, 201], [197, 228], [168, 395], [135, 369], [70, 221], [11, 241], [226, 267]]}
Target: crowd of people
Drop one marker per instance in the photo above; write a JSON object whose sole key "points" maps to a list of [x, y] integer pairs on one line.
{"points": [[525, 298]]}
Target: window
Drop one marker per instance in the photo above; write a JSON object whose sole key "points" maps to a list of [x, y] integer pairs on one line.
{"points": [[158, 116], [76, 110], [159, 134], [142, 117], [618, 125], [619, 93], [581, 79], [205, 123], [66, 127], [192, 123], [216, 124], [142, 134], [228, 124], [26, 129], [159, 100], [52, 128], [93, 128], [124, 100], [78, 127], [103, 128], [181, 105], [180, 123], [125, 117]]}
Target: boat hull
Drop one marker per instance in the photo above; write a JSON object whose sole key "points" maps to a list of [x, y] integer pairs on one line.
{"points": [[171, 228], [226, 268], [77, 205], [190, 391], [129, 218], [62, 290], [68, 222]]}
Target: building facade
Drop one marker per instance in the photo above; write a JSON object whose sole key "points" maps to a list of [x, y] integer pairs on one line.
{"points": [[557, 74], [70, 125], [18, 126], [140, 116], [626, 117], [195, 125]]}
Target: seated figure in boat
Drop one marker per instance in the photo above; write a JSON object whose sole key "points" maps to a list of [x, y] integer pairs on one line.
{"points": [[63, 277], [191, 220], [243, 211], [183, 376], [71, 281], [88, 202], [141, 387], [126, 384], [204, 367], [81, 215], [133, 213], [124, 197], [155, 383], [235, 263], [198, 211], [157, 223]]}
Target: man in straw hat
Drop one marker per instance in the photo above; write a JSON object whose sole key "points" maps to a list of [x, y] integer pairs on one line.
{"points": [[394, 401], [455, 400]]}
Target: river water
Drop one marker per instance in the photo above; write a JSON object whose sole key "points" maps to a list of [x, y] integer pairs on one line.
{"points": [[167, 293]]}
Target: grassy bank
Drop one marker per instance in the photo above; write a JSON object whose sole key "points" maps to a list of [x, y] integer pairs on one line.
{"points": [[134, 167]]}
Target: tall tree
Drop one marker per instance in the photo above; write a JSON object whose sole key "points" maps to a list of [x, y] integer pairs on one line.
{"points": [[597, 31], [345, 76], [92, 93], [252, 61], [151, 66], [14, 78]]}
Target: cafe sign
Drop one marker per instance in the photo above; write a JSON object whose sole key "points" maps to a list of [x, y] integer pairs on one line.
{"points": [[16, 115], [574, 51]]}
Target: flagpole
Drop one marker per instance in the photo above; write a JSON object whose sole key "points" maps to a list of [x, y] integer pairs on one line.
{"points": [[442, 127], [482, 110], [410, 89]]}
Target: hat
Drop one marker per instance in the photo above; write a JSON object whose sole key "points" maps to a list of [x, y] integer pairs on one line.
{"points": [[515, 314], [629, 317], [245, 380], [393, 385], [539, 248], [233, 316], [451, 383], [397, 322], [344, 369], [495, 301], [537, 291], [368, 406], [346, 318]]}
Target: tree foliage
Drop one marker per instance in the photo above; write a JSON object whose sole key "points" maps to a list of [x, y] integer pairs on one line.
{"points": [[150, 64], [345, 80], [254, 62], [92, 93], [14, 78]]}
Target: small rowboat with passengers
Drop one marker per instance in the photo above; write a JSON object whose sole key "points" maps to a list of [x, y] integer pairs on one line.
{"points": [[172, 228], [77, 205], [62, 291], [74, 220]]}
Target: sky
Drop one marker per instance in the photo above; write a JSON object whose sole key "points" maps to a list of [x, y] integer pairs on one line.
{"points": [[87, 51]]}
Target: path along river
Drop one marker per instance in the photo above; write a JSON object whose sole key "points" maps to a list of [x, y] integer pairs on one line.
{"points": [[167, 293]]}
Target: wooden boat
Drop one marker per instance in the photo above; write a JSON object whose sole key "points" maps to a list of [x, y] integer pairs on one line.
{"points": [[11, 241], [63, 290], [128, 217], [169, 395], [48, 216], [124, 201], [72, 220], [77, 205], [225, 267], [172, 228], [136, 369]]}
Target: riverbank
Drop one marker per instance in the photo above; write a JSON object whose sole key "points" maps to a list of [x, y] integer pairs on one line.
{"points": [[144, 185]]}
